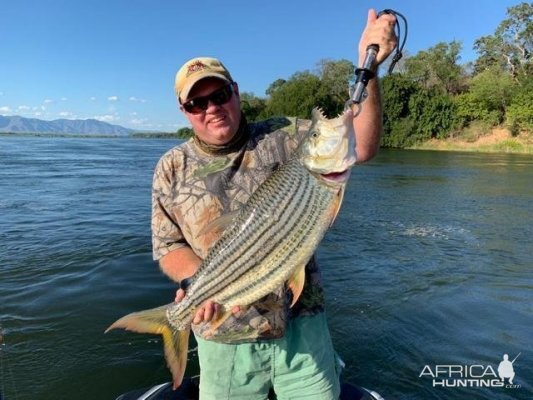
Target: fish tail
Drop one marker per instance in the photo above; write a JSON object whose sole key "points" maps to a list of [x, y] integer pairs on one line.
{"points": [[175, 342]]}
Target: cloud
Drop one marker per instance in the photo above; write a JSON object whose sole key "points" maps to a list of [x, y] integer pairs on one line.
{"points": [[136, 100], [112, 98], [1, 93], [23, 108], [46, 101], [5, 109], [107, 118], [64, 99], [92, 98], [66, 114], [138, 121]]}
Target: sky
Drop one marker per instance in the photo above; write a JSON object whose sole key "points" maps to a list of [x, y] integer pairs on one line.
{"points": [[115, 60]]}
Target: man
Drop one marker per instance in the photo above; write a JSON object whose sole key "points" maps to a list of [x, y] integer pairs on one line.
{"points": [[268, 345]]}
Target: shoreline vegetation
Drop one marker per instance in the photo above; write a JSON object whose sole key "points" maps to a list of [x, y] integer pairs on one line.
{"points": [[495, 140], [498, 140]]}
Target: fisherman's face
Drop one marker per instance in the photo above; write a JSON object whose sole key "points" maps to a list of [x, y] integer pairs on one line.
{"points": [[218, 123]]}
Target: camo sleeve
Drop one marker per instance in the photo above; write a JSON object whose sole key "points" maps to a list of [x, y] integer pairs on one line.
{"points": [[166, 233], [296, 134]]}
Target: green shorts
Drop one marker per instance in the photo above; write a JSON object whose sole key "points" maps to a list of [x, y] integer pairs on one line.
{"points": [[301, 365]]}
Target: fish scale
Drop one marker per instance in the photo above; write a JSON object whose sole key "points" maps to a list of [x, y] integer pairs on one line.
{"points": [[283, 232], [288, 247]]}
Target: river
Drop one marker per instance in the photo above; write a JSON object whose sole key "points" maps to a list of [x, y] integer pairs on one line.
{"points": [[429, 264]]}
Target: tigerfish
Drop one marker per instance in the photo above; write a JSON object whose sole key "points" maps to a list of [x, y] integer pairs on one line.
{"points": [[268, 242]]}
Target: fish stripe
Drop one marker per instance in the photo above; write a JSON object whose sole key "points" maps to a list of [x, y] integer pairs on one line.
{"points": [[279, 233]]}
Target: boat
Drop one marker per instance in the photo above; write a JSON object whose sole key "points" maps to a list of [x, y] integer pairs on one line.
{"points": [[189, 391]]}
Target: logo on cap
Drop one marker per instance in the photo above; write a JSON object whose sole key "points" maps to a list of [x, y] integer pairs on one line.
{"points": [[195, 67]]}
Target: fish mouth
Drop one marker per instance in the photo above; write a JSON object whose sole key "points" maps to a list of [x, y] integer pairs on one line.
{"points": [[336, 177]]}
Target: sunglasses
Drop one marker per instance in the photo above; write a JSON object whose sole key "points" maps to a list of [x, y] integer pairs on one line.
{"points": [[218, 97]]}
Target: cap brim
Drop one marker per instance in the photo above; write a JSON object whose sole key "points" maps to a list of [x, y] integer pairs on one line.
{"points": [[187, 88]]}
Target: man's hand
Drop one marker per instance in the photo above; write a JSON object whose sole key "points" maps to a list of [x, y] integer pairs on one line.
{"points": [[378, 31], [207, 311]]}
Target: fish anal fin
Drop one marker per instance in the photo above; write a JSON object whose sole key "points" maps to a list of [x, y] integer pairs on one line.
{"points": [[175, 343], [296, 283]]}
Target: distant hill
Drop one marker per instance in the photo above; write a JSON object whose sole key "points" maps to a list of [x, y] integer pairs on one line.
{"points": [[16, 124]]}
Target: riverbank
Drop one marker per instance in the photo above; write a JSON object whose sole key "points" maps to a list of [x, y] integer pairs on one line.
{"points": [[498, 140]]}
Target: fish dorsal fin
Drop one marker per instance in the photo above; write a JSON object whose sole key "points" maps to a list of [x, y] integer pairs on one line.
{"points": [[218, 225], [336, 206], [317, 114], [175, 342], [296, 283]]}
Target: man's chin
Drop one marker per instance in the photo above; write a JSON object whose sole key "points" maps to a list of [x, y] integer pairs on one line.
{"points": [[222, 135]]}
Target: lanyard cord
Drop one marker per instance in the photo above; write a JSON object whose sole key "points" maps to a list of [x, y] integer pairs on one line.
{"points": [[364, 73], [399, 46]]}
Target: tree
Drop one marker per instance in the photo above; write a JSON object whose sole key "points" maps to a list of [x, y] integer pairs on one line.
{"points": [[396, 90], [519, 113], [185, 133], [438, 68], [434, 114], [413, 114], [252, 107], [489, 95], [335, 79], [296, 97], [511, 45], [278, 83]]}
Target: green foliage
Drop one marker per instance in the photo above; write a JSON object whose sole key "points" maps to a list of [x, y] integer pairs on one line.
{"points": [[434, 114], [400, 134], [334, 80], [185, 133], [519, 114], [295, 97], [396, 91], [475, 130], [489, 95], [278, 83], [252, 107], [510, 146], [469, 109], [412, 113], [511, 46], [437, 68]]}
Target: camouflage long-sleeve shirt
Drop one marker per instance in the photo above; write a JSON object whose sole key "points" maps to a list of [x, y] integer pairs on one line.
{"points": [[193, 186]]}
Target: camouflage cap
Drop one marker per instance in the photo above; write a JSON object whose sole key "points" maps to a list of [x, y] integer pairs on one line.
{"points": [[196, 69]]}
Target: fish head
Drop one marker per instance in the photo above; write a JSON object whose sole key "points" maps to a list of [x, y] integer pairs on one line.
{"points": [[328, 150]]}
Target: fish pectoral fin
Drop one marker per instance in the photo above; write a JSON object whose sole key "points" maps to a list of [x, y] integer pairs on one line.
{"points": [[175, 342], [219, 224], [296, 283], [219, 318], [336, 205]]}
